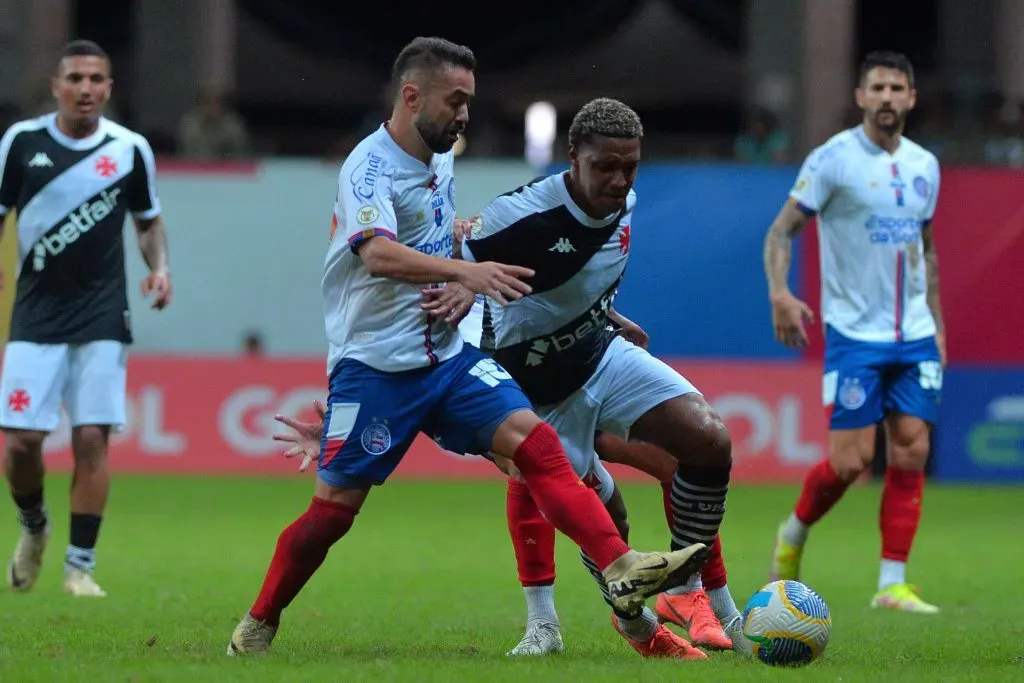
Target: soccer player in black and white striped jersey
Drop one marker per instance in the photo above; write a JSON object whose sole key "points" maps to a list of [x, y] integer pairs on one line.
{"points": [[71, 177]]}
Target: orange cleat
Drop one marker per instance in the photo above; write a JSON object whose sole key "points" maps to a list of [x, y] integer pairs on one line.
{"points": [[664, 643], [693, 612]]}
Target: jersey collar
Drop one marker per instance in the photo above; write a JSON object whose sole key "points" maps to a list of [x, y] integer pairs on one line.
{"points": [[76, 144], [871, 146], [578, 213]]}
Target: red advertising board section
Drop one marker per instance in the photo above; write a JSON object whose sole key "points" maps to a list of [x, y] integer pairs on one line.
{"points": [[979, 234], [216, 415]]}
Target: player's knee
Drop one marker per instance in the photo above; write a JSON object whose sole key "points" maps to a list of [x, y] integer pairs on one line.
{"points": [[909, 451], [850, 462], [24, 446], [89, 446], [715, 444]]}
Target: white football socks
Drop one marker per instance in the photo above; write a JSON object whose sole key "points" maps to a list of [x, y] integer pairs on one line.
{"points": [[794, 532], [891, 573], [540, 604]]}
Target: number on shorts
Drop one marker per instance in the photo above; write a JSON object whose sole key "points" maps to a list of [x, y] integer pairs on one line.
{"points": [[931, 375], [489, 372]]}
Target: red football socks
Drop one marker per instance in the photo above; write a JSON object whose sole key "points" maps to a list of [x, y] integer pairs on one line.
{"points": [[301, 549], [822, 490], [533, 537], [565, 500], [901, 512]]}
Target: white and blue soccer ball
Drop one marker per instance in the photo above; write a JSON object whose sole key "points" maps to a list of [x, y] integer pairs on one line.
{"points": [[787, 624]]}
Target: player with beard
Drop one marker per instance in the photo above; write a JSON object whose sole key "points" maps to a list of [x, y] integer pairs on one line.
{"points": [[396, 370], [874, 193]]}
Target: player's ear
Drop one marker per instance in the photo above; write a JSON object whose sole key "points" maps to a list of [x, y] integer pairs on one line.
{"points": [[574, 155], [411, 96], [54, 84], [859, 96]]}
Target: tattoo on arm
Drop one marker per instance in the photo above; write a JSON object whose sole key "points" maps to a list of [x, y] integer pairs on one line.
{"points": [[931, 269], [778, 246]]}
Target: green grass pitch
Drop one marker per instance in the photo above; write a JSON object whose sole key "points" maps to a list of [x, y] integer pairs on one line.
{"points": [[424, 589]]}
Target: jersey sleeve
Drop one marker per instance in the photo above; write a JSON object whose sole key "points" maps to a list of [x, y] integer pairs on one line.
{"points": [[363, 214], [10, 171], [933, 195], [143, 201], [815, 182], [484, 241]]}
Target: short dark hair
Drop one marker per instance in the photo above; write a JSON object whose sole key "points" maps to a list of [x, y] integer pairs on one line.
{"points": [[431, 54], [887, 60], [605, 117], [83, 48]]}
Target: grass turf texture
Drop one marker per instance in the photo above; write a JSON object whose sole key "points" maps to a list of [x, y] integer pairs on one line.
{"points": [[424, 588]]}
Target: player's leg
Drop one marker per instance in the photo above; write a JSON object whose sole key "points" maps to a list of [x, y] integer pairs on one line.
{"points": [[94, 397], [371, 420], [642, 631], [690, 606], [484, 398], [852, 390], [33, 378], [533, 542], [912, 401]]}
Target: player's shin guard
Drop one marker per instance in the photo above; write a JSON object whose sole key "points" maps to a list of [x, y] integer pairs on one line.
{"points": [[565, 500], [900, 512], [822, 490], [533, 537], [698, 503], [301, 549]]}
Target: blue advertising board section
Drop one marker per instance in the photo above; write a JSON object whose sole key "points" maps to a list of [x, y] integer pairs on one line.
{"points": [[981, 437], [696, 280]]}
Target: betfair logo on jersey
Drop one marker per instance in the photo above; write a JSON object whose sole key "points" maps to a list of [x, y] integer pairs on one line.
{"points": [[594, 319], [77, 223]]}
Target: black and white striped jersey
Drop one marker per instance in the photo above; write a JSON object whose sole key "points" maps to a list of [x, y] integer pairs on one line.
{"points": [[552, 341], [71, 196]]}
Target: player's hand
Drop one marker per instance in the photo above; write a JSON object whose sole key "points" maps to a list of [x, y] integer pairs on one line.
{"points": [[158, 283], [789, 316], [451, 302], [629, 330], [499, 281], [940, 341], [305, 436], [464, 227]]}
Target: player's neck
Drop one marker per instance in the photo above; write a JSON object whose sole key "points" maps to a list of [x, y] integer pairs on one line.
{"points": [[890, 142], [77, 130], [408, 138], [578, 198]]}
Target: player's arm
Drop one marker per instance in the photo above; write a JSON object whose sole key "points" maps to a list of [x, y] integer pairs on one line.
{"points": [[10, 179], [931, 268], [144, 205], [810, 195], [10, 174], [778, 247]]}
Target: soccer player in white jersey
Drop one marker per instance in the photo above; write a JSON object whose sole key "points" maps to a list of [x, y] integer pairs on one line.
{"points": [[874, 193], [71, 177], [396, 370]]}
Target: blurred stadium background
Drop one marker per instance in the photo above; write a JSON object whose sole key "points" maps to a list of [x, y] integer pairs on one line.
{"points": [[252, 104]]}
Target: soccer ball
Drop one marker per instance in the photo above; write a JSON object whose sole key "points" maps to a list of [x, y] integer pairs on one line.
{"points": [[787, 624]]}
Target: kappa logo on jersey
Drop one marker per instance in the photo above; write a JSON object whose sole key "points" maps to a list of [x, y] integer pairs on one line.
{"points": [[364, 177], [563, 246], [40, 160], [597, 317], [77, 223]]}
